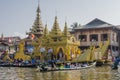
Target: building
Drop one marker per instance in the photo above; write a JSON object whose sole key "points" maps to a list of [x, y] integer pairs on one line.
{"points": [[9, 43], [98, 31], [62, 42], [57, 41]]}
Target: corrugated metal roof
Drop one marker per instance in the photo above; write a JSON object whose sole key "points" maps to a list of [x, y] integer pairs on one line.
{"points": [[95, 23]]}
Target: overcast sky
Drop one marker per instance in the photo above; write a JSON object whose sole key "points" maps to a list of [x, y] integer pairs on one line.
{"points": [[17, 16]]}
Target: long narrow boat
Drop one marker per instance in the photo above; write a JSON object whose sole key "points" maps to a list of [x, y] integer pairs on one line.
{"points": [[16, 65], [67, 69]]}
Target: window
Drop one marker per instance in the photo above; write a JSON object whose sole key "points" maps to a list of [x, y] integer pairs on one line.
{"points": [[83, 38], [104, 37], [94, 37]]}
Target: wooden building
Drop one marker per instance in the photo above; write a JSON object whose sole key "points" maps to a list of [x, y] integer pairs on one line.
{"points": [[98, 31]]}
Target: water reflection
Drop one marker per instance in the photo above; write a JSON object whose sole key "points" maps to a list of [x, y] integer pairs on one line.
{"points": [[99, 73]]}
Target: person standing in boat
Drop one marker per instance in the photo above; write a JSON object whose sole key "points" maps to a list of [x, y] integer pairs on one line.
{"points": [[118, 67], [60, 55], [49, 55], [51, 58]]}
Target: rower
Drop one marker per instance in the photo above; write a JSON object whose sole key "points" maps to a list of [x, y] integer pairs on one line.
{"points": [[118, 67]]}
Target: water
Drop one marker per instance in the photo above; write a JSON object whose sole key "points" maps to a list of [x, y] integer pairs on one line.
{"points": [[98, 73]]}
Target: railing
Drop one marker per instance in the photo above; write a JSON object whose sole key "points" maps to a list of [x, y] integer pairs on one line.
{"points": [[89, 43]]}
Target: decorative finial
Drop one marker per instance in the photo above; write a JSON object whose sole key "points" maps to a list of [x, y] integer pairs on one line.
{"points": [[38, 2], [55, 18], [38, 9], [46, 24]]}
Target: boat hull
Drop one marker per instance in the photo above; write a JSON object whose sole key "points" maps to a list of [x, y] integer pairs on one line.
{"points": [[13, 65], [68, 69]]}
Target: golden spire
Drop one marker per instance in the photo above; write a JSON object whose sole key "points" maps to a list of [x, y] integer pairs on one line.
{"points": [[37, 28], [56, 25], [38, 9], [56, 30], [46, 31], [65, 32], [38, 12]]}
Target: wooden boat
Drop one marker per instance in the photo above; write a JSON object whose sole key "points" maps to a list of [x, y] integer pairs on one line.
{"points": [[65, 69], [26, 65], [18, 65]]}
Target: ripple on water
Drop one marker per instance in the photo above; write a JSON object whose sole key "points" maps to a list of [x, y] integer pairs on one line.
{"points": [[7, 73], [99, 73]]}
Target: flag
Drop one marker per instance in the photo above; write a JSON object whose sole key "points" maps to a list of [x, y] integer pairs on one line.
{"points": [[32, 36]]}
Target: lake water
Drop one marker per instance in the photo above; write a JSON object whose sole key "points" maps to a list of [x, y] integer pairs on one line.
{"points": [[98, 73]]}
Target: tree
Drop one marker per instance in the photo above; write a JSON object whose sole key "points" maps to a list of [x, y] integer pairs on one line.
{"points": [[74, 25]]}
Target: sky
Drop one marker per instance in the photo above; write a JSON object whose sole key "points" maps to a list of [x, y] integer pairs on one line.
{"points": [[18, 16]]}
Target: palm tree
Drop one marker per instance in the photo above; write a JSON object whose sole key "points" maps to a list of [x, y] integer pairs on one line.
{"points": [[74, 25]]}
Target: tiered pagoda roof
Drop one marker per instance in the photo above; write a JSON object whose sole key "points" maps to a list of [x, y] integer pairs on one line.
{"points": [[37, 28], [56, 38], [56, 31]]}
